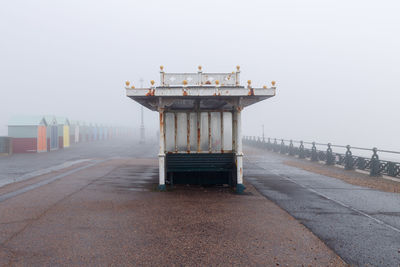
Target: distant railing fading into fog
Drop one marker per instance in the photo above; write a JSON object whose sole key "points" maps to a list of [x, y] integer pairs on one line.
{"points": [[373, 164]]}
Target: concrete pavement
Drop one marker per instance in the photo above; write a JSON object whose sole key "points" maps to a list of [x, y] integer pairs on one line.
{"points": [[361, 224], [19, 167], [110, 214]]}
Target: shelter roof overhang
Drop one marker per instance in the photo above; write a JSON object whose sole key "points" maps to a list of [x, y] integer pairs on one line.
{"points": [[199, 97]]}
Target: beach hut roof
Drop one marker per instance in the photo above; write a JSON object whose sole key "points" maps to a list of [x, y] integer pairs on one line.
{"points": [[27, 120], [50, 119], [63, 120]]}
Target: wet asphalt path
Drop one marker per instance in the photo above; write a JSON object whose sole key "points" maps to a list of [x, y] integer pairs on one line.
{"points": [[362, 225], [20, 167]]}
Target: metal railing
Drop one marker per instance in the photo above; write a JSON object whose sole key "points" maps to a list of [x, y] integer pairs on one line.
{"points": [[373, 164], [200, 78]]}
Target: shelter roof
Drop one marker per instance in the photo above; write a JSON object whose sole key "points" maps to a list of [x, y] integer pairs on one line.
{"points": [[199, 91]]}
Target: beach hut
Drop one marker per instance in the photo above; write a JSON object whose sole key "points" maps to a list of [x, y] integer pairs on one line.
{"points": [[89, 132], [94, 132], [63, 132], [103, 132], [28, 134], [100, 132], [82, 132], [106, 132], [51, 133], [110, 132], [74, 129], [85, 132]]}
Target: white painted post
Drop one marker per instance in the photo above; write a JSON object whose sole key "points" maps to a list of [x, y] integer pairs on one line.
{"points": [[239, 152], [161, 154]]}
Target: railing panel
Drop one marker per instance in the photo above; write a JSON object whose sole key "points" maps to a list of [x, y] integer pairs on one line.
{"points": [[374, 165]]}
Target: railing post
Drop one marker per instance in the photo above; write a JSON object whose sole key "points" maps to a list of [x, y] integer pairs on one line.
{"points": [[348, 159], [314, 154], [269, 144], [301, 150], [282, 147], [330, 159], [375, 164], [276, 146], [291, 148]]}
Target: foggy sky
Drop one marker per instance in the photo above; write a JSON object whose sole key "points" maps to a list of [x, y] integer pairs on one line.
{"points": [[336, 63]]}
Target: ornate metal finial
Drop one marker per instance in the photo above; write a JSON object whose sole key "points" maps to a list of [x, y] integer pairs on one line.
{"points": [[238, 68], [161, 67], [273, 83], [152, 82], [375, 151], [127, 83]]}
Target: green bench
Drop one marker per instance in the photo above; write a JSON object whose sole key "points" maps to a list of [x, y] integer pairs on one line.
{"points": [[200, 168]]}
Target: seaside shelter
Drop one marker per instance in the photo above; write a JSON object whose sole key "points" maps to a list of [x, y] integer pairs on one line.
{"points": [[200, 125]]}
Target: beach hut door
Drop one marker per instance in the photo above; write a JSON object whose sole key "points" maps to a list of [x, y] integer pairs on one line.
{"points": [[42, 146]]}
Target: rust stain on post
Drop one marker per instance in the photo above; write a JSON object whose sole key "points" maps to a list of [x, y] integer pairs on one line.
{"points": [[162, 128], [251, 92], [198, 131], [161, 119]]}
